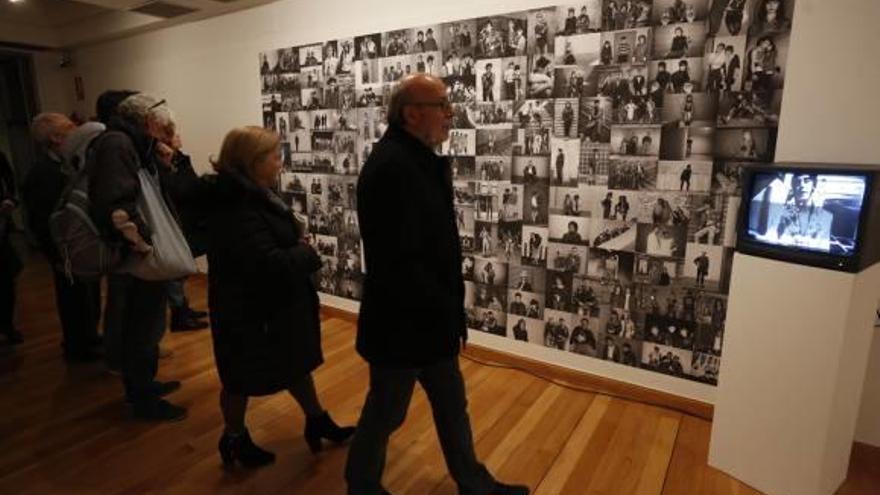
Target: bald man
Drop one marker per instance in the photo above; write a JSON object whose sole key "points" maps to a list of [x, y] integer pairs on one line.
{"points": [[78, 301], [412, 318]]}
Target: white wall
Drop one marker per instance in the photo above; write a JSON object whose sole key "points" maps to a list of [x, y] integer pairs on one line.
{"points": [[830, 113], [208, 73]]}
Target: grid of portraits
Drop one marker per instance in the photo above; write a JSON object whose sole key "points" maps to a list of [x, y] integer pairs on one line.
{"points": [[595, 152]]}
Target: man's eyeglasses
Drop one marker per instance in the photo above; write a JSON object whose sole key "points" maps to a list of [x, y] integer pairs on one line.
{"points": [[157, 104], [443, 104]]}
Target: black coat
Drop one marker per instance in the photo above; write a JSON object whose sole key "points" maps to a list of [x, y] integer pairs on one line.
{"points": [[10, 264], [412, 312], [186, 190], [42, 188], [264, 307]]}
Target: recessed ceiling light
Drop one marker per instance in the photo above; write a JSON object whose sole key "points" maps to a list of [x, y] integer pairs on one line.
{"points": [[16, 1]]}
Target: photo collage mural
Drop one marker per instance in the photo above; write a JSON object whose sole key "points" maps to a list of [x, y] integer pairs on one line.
{"points": [[595, 153]]}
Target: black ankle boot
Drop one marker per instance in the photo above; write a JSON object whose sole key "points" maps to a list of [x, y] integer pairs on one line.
{"points": [[322, 426], [242, 449]]}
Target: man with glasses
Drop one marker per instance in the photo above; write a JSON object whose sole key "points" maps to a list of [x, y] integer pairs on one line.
{"points": [[414, 335]]}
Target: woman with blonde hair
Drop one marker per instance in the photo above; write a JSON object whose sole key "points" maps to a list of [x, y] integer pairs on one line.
{"points": [[264, 307]]}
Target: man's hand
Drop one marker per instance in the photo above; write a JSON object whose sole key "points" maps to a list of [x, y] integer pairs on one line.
{"points": [[6, 206], [164, 153]]}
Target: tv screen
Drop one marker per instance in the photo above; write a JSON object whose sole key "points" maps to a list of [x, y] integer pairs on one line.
{"points": [[806, 210]]}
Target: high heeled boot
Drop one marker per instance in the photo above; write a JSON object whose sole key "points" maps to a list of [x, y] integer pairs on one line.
{"points": [[242, 449], [323, 426]]}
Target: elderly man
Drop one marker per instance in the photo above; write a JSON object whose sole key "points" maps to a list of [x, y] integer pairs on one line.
{"points": [[415, 335], [130, 144], [78, 301]]}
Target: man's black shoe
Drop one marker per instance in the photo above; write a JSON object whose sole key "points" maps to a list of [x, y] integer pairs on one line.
{"points": [[187, 325]]}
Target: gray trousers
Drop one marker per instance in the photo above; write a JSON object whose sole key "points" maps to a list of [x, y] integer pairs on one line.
{"points": [[384, 411]]}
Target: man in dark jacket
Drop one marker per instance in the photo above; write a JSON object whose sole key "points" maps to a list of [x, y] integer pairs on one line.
{"points": [[413, 335], [185, 189], [10, 265], [139, 309], [78, 301]]}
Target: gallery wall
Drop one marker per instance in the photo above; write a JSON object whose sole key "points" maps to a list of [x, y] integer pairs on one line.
{"points": [[208, 71]]}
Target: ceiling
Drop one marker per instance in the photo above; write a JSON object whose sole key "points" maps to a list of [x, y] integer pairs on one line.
{"points": [[53, 24]]}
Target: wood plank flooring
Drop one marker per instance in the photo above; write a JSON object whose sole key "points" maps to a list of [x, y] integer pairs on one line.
{"points": [[65, 428]]}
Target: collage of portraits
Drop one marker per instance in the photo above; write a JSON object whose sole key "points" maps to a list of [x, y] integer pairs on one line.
{"points": [[595, 153]]}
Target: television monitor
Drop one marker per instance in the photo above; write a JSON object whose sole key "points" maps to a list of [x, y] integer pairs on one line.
{"points": [[807, 214]]}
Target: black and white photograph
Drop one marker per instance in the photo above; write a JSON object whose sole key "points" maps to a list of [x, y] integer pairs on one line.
{"points": [[485, 238], [668, 241], [568, 258], [686, 110], [629, 46], [487, 201], [567, 201], [632, 173], [613, 235], [626, 15], [557, 329], [702, 267], [494, 142], [490, 272], [655, 271], [535, 201], [684, 176], [461, 142], [667, 360], [458, 38], [577, 50], [723, 60], [509, 240], [575, 81], [569, 230], [683, 40], [566, 122], [534, 246], [542, 29], [594, 124], [594, 164], [491, 321], [512, 198], [525, 278], [463, 167], [748, 109], [525, 304], [495, 167], [368, 47], [749, 144], [677, 76], [579, 18], [311, 55], [525, 329], [705, 368], [541, 77], [635, 141], [531, 170], [491, 115], [668, 12], [489, 80], [564, 161]]}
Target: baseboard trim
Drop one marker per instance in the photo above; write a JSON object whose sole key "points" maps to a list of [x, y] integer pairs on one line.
{"points": [[568, 377]]}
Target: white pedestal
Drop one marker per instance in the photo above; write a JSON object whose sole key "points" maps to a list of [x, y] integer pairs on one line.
{"points": [[796, 347]]}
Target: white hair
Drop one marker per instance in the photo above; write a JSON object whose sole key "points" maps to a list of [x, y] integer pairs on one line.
{"points": [[138, 107]]}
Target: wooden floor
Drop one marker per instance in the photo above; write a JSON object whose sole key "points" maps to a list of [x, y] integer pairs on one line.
{"points": [[65, 429]]}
